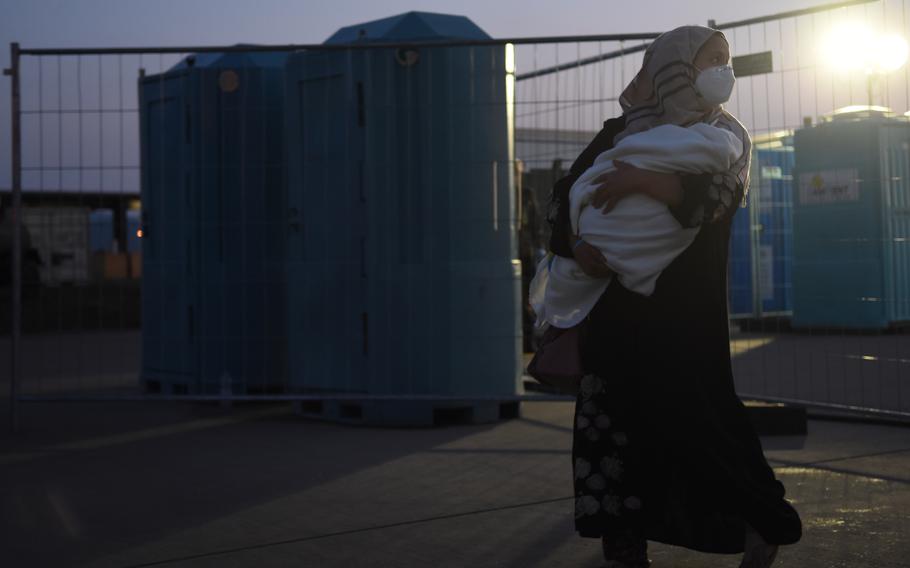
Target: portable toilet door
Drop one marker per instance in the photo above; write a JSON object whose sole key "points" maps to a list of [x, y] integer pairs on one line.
{"points": [[236, 132], [403, 270], [326, 238], [740, 276], [850, 255], [169, 248], [132, 219], [101, 230], [771, 216], [761, 242], [895, 164], [442, 246], [441, 254]]}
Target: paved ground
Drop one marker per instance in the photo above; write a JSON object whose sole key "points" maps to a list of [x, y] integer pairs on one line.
{"points": [[54, 363], [160, 484], [858, 370], [870, 371]]}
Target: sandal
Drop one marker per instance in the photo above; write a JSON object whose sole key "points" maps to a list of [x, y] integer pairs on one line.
{"points": [[625, 550], [758, 553]]}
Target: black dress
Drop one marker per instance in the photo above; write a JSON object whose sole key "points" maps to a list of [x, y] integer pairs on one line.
{"points": [[662, 445]]}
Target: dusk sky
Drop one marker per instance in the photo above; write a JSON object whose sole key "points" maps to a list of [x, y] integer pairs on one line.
{"points": [[59, 23], [109, 23]]}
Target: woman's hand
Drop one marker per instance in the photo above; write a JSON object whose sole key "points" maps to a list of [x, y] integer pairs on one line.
{"points": [[626, 179], [590, 259]]}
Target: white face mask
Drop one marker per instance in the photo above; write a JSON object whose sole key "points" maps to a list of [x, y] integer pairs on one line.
{"points": [[715, 84]]}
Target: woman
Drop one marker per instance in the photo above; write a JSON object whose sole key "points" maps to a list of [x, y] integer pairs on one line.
{"points": [[662, 446]]}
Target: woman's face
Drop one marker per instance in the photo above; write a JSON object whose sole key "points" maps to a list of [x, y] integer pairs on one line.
{"points": [[714, 52]]}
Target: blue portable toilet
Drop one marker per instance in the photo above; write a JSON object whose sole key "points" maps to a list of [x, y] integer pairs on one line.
{"points": [[101, 230], [133, 226], [761, 242], [213, 224], [403, 271], [739, 269], [851, 231]]}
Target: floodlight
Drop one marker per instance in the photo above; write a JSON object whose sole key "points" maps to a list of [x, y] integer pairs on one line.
{"points": [[856, 47]]}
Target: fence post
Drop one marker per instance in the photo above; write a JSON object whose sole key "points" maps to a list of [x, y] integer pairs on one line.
{"points": [[16, 209]]}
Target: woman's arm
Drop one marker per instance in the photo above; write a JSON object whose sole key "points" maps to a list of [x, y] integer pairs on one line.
{"points": [[692, 199], [707, 198], [626, 179]]}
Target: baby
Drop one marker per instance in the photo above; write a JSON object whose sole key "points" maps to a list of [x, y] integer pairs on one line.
{"points": [[639, 237]]}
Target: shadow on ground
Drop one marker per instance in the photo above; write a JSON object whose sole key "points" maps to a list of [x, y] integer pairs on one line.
{"points": [[146, 484]]}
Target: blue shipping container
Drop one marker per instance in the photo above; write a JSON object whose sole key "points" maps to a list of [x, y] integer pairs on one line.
{"points": [[403, 276], [101, 230], [213, 222], [851, 240], [761, 247], [133, 226]]}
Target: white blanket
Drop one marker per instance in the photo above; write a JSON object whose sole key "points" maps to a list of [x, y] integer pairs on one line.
{"points": [[639, 237]]}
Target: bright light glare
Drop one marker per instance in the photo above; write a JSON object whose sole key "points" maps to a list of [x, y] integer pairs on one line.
{"points": [[892, 52], [860, 108], [855, 47], [510, 58]]}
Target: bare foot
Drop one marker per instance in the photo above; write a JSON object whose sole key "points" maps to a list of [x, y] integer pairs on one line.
{"points": [[758, 553]]}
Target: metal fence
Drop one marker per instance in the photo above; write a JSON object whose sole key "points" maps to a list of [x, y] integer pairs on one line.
{"points": [[155, 245]]}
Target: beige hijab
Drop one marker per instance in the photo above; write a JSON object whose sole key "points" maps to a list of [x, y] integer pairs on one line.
{"points": [[669, 69]]}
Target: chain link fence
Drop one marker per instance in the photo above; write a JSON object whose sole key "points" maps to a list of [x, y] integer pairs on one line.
{"points": [[333, 224]]}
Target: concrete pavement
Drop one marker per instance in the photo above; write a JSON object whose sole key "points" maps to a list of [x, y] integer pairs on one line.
{"points": [[146, 484], [848, 369]]}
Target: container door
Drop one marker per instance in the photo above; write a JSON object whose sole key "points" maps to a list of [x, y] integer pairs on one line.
{"points": [[837, 233], [222, 159], [326, 285], [169, 284], [239, 122], [895, 164], [772, 230], [740, 265]]}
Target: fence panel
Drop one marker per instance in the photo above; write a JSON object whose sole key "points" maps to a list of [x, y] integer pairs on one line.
{"points": [[818, 292], [336, 224]]}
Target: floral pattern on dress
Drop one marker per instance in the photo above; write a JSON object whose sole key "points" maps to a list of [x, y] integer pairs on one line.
{"points": [[589, 408], [586, 505], [707, 198], [632, 502], [611, 466], [596, 482], [582, 468], [606, 498], [590, 386], [612, 504]]}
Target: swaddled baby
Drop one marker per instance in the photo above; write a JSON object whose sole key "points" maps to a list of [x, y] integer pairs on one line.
{"points": [[682, 129], [639, 237]]}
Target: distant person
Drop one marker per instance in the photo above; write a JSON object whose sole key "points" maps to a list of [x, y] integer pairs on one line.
{"points": [[31, 260], [662, 446], [531, 243]]}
